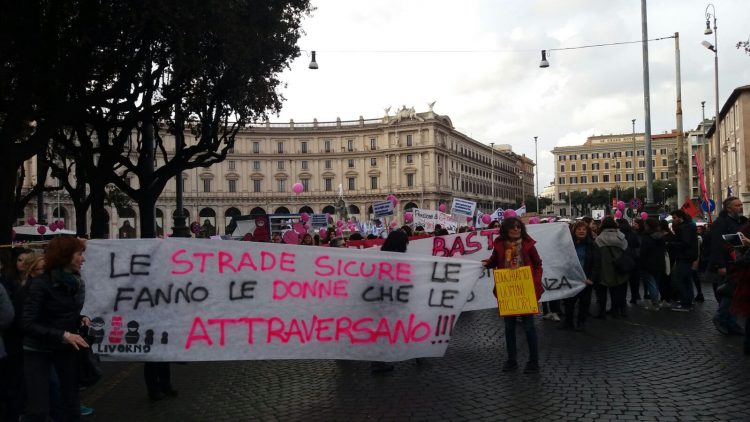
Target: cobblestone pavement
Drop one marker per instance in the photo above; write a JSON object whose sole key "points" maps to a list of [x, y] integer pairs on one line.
{"points": [[665, 366]]}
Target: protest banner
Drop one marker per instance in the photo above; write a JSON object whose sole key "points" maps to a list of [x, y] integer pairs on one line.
{"points": [[562, 276], [429, 218], [463, 207], [515, 291], [382, 209], [192, 300], [318, 220]]}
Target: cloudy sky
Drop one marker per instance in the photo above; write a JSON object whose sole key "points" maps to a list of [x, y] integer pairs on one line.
{"points": [[479, 60]]}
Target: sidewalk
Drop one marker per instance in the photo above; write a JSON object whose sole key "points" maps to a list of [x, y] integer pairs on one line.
{"points": [[665, 366]]}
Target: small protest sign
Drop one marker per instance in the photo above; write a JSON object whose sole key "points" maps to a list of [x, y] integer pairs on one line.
{"points": [[515, 291], [463, 207], [382, 209]]}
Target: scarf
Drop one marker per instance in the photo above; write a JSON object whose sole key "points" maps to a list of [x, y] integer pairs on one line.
{"points": [[71, 281], [513, 257]]}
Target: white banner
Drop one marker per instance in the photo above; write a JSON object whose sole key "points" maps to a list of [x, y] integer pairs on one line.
{"points": [[429, 218], [200, 300], [562, 276]]}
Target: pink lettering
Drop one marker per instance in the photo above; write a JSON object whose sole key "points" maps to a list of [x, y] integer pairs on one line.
{"points": [[246, 261], [203, 256], [177, 261], [265, 265], [225, 260], [194, 336], [286, 263]]}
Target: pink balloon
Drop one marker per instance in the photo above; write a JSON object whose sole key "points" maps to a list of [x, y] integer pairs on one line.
{"points": [[486, 219], [299, 228], [304, 217], [339, 223], [534, 220], [620, 205], [441, 207], [31, 221], [392, 198], [644, 215], [471, 228], [41, 230], [352, 227], [298, 188], [339, 232], [509, 214], [618, 214], [291, 237], [53, 226], [394, 224], [551, 219], [408, 217], [323, 232]]}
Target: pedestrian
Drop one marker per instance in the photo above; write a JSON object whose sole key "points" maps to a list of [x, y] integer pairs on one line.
{"points": [[514, 248], [728, 222], [611, 245], [11, 369], [307, 240], [51, 321], [652, 262], [739, 274], [665, 282], [397, 241], [585, 251], [695, 270], [684, 250]]}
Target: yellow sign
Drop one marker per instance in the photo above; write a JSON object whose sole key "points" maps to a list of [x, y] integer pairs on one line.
{"points": [[515, 291]]}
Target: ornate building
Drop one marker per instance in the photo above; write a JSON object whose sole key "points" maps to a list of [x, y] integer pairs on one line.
{"points": [[418, 157], [610, 162]]}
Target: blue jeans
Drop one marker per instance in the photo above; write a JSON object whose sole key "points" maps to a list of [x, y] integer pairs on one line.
{"points": [[652, 286], [682, 282], [510, 337]]}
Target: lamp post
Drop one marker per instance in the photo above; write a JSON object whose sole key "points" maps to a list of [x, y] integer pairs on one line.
{"points": [[492, 175], [717, 132], [520, 177], [536, 178], [647, 109], [634, 161]]}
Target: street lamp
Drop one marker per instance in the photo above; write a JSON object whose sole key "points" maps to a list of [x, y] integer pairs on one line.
{"points": [[492, 171], [536, 166], [634, 161], [520, 177], [714, 48]]}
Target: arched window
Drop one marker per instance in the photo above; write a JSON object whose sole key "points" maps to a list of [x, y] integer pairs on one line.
{"points": [[306, 209], [329, 209], [282, 210], [257, 211], [409, 206]]}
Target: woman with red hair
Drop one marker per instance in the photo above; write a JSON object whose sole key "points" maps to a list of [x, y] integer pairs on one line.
{"points": [[51, 320]]}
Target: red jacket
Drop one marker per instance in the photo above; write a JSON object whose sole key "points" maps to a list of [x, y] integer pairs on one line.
{"points": [[530, 258]]}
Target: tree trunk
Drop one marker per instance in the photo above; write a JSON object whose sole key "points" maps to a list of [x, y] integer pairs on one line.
{"points": [[99, 220], [147, 209], [81, 213], [8, 174]]}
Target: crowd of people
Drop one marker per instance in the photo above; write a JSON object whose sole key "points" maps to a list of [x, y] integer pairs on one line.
{"points": [[658, 263]]}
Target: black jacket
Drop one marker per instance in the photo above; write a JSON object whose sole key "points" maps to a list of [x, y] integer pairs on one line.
{"points": [[652, 253], [720, 251], [50, 309], [684, 246]]}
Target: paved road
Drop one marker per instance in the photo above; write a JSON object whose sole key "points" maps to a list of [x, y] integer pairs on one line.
{"points": [[664, 366]]}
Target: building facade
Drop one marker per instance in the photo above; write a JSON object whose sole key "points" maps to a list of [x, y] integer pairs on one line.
{"points": [[734, 124], [418, 157], [611, 162]]}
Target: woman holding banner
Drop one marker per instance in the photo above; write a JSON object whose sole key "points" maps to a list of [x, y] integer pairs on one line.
{"points": [[586, 253], [51, 321], [513, 248]]}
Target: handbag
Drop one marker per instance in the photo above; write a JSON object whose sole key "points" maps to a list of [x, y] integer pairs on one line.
{"points": [[89, 365]]}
